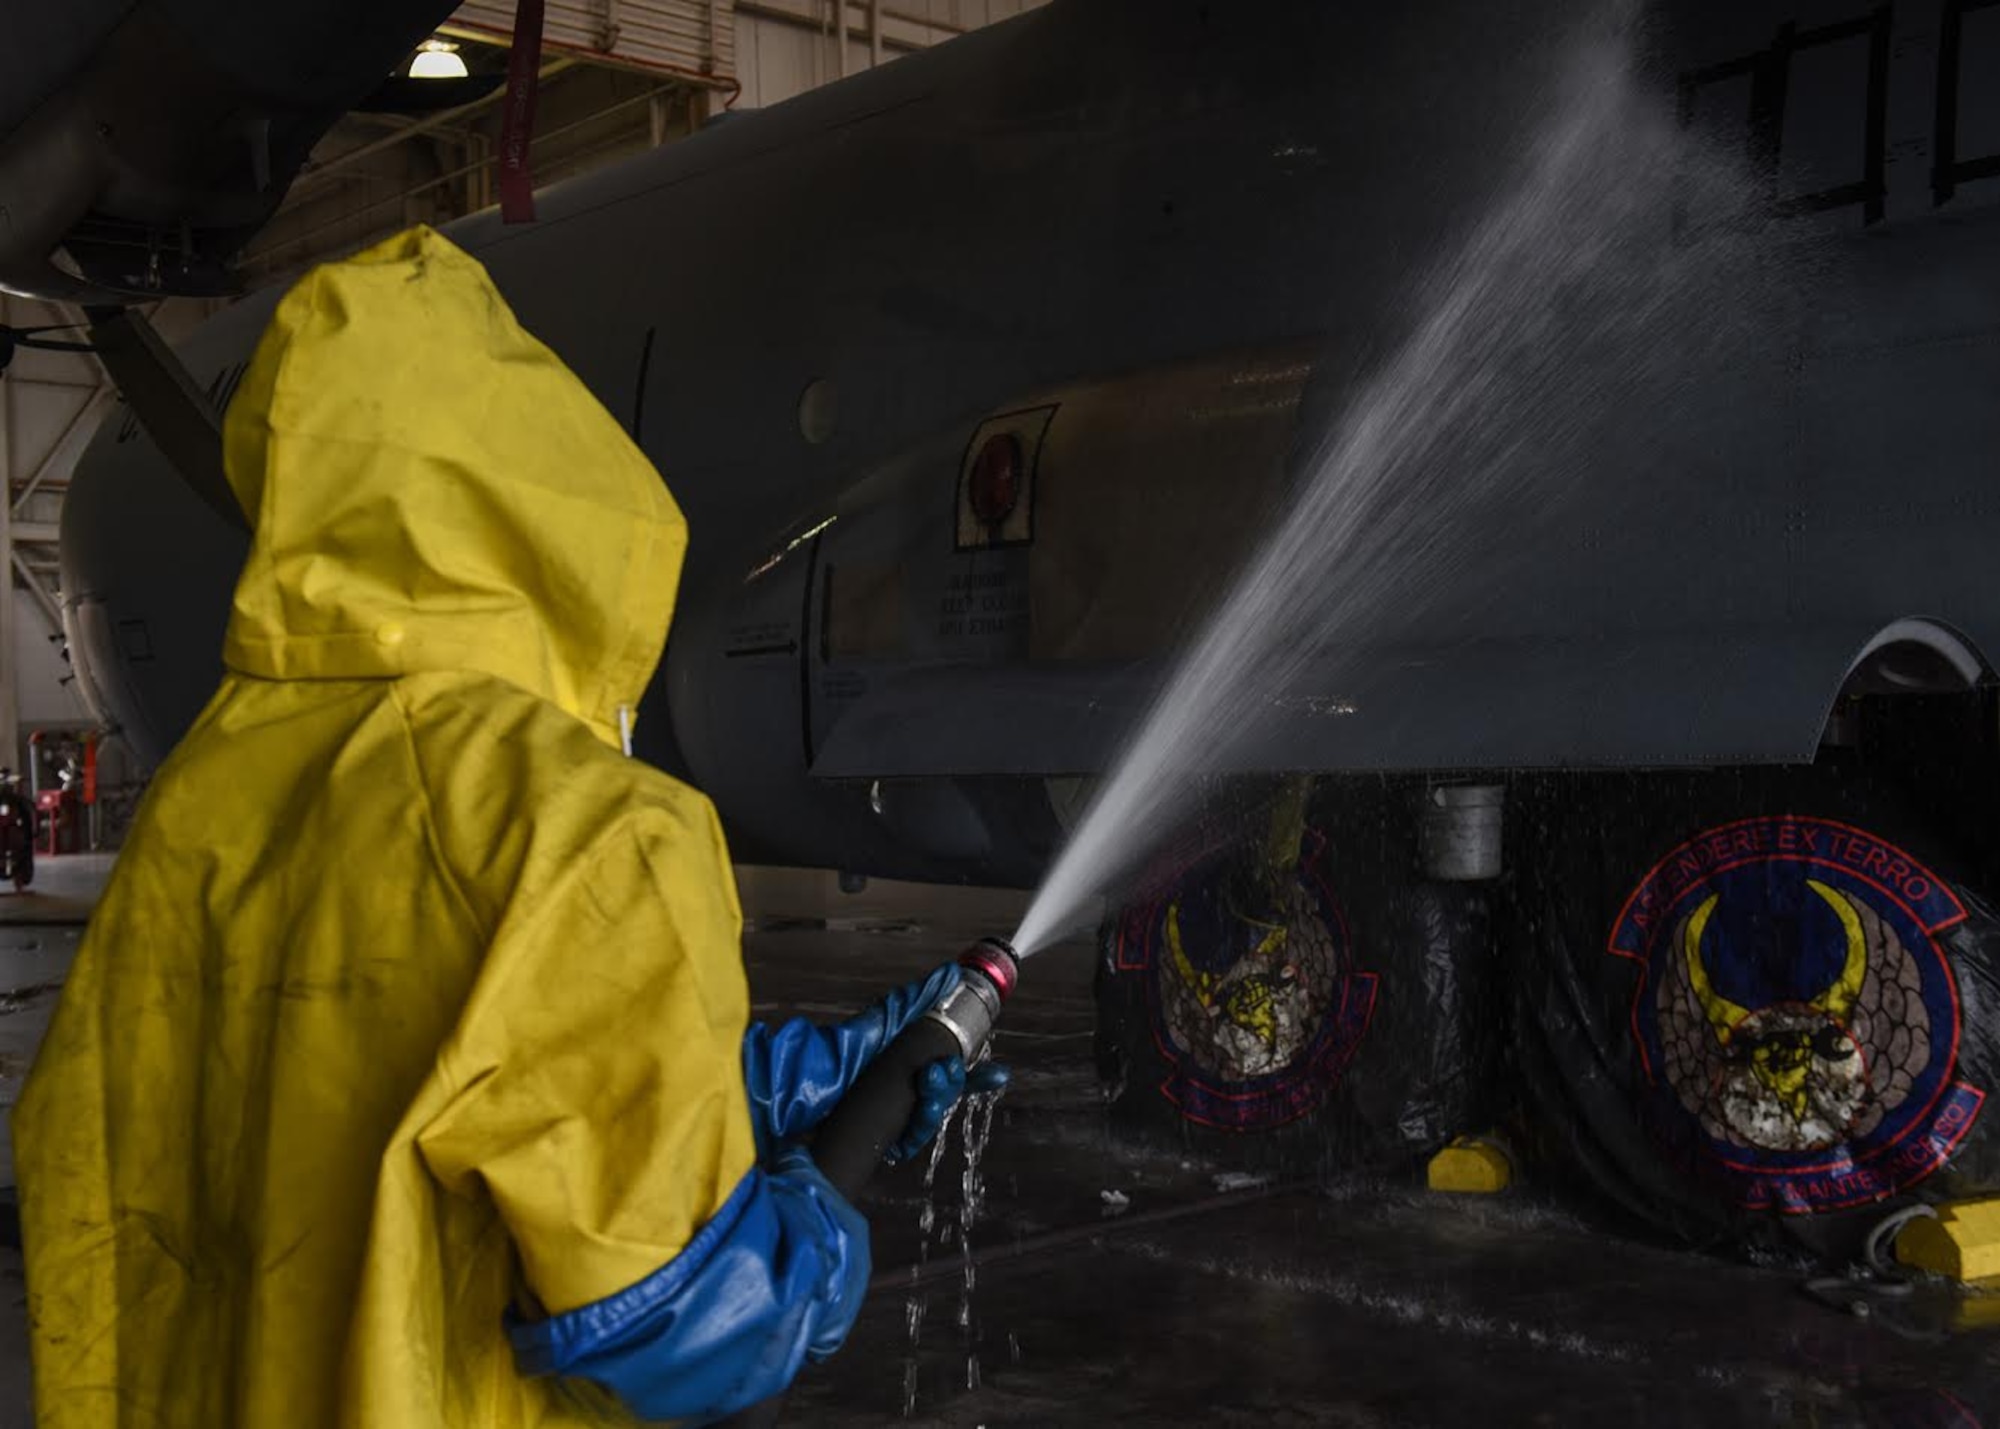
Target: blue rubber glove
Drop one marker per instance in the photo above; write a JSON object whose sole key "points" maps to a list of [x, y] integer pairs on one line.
{"points": [[772, 1283], [939, 1086], [797, 1072]]}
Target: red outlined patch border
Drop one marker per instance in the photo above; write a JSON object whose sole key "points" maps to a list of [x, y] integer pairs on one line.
{"points": [[1780, 1186]]}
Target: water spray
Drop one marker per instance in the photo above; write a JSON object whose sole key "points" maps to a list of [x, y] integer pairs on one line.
{"points": [[1562, 319], [873, 1114]]}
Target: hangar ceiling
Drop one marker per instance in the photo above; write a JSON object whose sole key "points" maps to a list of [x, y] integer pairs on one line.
{"points": [[617, 77]]}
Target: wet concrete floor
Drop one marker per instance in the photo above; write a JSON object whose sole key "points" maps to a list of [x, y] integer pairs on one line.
{"points": [[1350, 1304]]}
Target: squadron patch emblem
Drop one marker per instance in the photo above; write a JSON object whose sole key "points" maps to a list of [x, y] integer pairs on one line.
{"points": [[1256, 1010], [1796, 1019]]}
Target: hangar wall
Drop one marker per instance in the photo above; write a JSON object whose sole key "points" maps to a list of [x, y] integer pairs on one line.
{"points": [[786, 47], [50, 404]]}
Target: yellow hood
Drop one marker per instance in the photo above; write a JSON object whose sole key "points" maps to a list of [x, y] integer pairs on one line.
{"points": [[432, 489]]}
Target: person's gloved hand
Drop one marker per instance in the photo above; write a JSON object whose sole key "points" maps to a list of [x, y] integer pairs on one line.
{"points": [[795, 1073], [939, 1086]]}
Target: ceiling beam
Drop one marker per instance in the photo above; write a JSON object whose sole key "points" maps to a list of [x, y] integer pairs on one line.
{"points": [[35, 587], [63, 453], [351, 216], [312, 177]]}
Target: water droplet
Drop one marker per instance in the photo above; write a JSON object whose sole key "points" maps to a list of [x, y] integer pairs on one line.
{"points": [[938, 1145]]}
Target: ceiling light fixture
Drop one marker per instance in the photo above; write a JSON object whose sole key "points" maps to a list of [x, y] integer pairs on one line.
{"points": [[437, 59]]}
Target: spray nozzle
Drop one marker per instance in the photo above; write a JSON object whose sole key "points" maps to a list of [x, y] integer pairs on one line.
{"points": [[968, 1011], [996, 961]]}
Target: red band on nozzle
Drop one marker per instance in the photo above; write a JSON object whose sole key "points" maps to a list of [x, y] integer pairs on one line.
{"points": [[996, 961]]}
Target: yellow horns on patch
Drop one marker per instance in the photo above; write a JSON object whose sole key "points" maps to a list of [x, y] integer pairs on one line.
{"points": [[1837, 1001]]}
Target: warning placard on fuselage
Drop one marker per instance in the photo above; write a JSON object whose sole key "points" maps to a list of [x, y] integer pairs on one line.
{"points": [[996, 480]]}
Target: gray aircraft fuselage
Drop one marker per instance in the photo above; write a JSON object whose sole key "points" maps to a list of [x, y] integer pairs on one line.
{"points": [[1113, 261]]}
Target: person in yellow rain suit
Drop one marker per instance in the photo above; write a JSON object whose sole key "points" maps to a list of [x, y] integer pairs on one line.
{"points": [[403, 1077]]}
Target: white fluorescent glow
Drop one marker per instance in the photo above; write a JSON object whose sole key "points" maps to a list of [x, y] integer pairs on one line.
{"points": [[437, 61]]}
